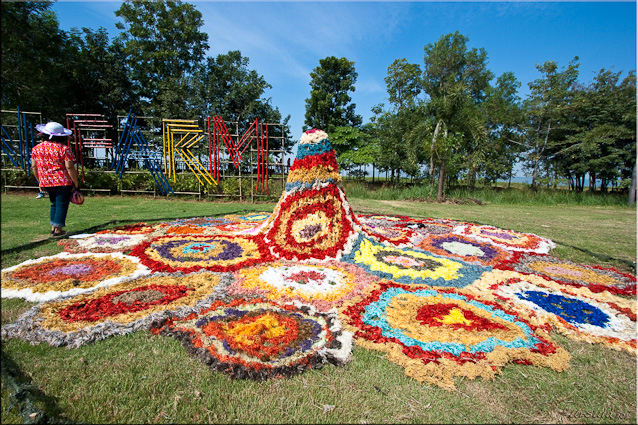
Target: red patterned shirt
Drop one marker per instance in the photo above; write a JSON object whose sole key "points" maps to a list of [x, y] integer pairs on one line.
{"points": [[50, 157]]}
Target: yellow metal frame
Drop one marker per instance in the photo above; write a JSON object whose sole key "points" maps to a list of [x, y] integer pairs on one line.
{"points": [[189, 135]]}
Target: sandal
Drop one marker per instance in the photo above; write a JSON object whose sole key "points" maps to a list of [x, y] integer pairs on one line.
{"points": [[61, 233]]}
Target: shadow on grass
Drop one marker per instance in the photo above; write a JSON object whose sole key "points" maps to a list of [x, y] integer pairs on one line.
{"points": [[33, 405], [98, 227]]}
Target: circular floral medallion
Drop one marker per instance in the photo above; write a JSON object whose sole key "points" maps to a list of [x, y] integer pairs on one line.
{"points": [[437, 334], [576, 312], [103, 242], [218, 253], [258, 339], [393, 235], [597, 279], [382, 220], [257, 217], [470, 250], [133, 229], [239, 228], [116, 310], [311, 224], [48, 278], [412, 266], [199, 222], [324, 285], [187, 230], [506, 239]]}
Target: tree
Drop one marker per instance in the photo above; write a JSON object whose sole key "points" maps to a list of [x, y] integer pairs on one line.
{"points": [[231, 90], [99, 81], [603, 141], [395, 146], [33, 56], [329, 105], [403, 84], [228, 88], [350, 148], [456, 79], [397, 149], [548, 108], [164, 46], [504, 120]]}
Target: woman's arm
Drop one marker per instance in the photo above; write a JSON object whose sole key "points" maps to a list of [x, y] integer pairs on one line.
{"points": [[34, 168], [73, 173]]}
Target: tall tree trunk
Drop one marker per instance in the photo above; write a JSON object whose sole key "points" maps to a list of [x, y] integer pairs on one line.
{"points": [[439, 192], [431, 180], [538, 157], [632, 189], [432, 145]]}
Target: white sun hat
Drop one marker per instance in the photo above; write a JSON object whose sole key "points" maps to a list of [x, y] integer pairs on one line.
{"points": [[53, 129]]}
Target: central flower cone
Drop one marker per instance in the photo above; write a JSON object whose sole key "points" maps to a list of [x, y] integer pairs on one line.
{"points": [[313, 219]]}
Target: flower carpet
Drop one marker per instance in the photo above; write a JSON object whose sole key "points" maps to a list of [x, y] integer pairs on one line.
{"points": [[271, 295]]}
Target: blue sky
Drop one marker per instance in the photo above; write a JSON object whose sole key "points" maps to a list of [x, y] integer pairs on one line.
{"points": [[285, 40]]}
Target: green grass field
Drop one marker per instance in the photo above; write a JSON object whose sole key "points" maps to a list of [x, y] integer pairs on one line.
{"points": [[142, 378]]}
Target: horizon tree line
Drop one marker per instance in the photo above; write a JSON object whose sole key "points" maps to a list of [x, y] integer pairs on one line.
{"points": [[449, 121]]}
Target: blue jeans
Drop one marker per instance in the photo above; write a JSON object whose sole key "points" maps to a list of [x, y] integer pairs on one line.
{"points": [[60, 196]]}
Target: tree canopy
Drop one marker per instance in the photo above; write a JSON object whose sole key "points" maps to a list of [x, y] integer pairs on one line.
{"points": [[449, 120], [330, 105]]}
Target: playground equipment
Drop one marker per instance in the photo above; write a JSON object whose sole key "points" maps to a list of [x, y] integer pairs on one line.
{"points": [[18, 137]]}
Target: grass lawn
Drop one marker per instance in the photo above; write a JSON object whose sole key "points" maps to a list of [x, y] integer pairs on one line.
{"points": [[146, 378]]}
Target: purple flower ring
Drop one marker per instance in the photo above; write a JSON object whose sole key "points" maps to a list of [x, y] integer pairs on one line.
{"points": [[464, 248], [103, 242], [65, 274], [596, 279], [190, 253]]}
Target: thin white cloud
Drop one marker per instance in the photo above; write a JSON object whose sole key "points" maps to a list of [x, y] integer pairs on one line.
{"points": [[292, 37], [370, 85], [254, 34]]}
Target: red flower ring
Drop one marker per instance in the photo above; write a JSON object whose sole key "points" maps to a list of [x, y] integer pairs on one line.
{"points": [[131, 229], [438, 333], [122, 302], [311, 224], [466, 249]]}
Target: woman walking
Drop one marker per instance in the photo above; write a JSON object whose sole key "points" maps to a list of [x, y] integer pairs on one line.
{"points": [[53, 165]]}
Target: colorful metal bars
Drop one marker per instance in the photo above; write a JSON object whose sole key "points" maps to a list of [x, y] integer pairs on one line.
{"points": [[217, 131], [132, 137], [178, 137], [18, 148], [87, 129]]}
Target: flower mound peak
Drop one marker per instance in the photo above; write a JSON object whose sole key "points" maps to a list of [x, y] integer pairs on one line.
{"points": [[313, 219]]}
